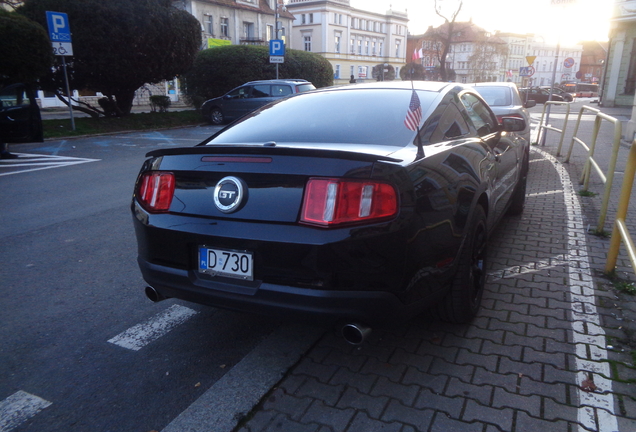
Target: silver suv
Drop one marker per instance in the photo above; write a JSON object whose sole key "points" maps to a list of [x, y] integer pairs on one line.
{"points": [[249, 97]]}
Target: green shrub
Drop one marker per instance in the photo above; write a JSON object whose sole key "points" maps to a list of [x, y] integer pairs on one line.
{"points": [[159, 103], [218, 70]]}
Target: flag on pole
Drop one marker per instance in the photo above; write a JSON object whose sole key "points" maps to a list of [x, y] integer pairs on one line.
{"points": [[416, 55], [414, 113]]}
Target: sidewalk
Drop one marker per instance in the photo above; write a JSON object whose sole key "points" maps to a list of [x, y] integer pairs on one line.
{"points": [[551, 350]]}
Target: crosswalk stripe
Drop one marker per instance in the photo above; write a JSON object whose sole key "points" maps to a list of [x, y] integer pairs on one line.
{"points": [[142, 334], [18, 408]]}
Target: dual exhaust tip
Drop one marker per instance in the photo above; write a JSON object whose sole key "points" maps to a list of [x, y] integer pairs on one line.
{"points": [[353, 333]]}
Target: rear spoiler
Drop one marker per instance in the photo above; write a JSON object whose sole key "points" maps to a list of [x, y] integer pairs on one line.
{"points": [[272, 150]]}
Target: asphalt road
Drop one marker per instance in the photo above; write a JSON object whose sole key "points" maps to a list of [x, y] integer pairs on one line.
{"points": [[79, 338]]}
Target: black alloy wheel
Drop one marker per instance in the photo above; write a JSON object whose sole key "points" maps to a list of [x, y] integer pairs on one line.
{"points": [[462, 301]]}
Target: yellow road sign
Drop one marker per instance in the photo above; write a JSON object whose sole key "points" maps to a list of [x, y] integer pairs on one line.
{"points": [[530, 59]]}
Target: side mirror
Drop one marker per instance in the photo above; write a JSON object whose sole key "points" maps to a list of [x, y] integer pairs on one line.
{"points": [[513, 124], [530, 103]]}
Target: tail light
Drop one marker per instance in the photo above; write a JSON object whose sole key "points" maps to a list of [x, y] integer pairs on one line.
{"points": [[331, 201], [155, 191]]}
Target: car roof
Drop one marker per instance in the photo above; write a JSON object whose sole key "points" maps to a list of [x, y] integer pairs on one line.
{"points": [[494, 84], [279, 81]]}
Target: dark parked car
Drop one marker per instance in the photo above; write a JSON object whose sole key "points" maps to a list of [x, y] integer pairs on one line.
{"points": [[538, 94], [567, 97], [339, 203], [505, 101], [20, 119], [250, 96]]}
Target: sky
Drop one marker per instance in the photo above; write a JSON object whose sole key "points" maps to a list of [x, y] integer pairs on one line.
{"points": [[583, 21]]}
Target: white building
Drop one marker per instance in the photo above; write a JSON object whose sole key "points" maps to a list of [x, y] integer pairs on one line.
{"points": [[353, 40], [567, 59]]}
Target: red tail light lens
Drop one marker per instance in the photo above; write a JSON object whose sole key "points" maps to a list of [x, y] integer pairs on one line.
{"points": [[156, 189], [330, 201]]}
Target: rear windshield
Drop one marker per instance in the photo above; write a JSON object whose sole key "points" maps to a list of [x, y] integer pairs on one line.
{"points": [[354, 116], [305, 87], [495, 96]]}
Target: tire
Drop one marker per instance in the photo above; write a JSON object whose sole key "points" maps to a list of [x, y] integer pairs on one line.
{"points": [[216, 116], [518, 200], [462, 302]]}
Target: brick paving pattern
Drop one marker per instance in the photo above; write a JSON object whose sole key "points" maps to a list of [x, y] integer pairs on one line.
{"points": [[549, 351]]}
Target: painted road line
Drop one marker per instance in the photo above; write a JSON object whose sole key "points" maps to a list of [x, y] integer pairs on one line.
{"points": [[596, 410], [232, 397], [18, 408], [135, 338], [35, 162]]}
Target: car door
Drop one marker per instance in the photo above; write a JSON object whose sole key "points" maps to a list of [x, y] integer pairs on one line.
{"points": [[260, 95], [505, 155], [20, 119], [236, 101]]}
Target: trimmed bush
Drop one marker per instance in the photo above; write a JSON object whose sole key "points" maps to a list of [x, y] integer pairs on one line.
{"points": [[218, 70]]}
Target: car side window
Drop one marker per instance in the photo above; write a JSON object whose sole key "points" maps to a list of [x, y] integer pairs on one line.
{"points": [[450, 126], [239, 93], [259, 91], [281, 90], [479, 114], [14, 97]]}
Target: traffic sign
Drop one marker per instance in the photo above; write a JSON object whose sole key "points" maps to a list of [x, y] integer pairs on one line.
{"points": [[530, 59], [276, 59], [568, 62], [59, 33], [276, 47], [526, 71]]}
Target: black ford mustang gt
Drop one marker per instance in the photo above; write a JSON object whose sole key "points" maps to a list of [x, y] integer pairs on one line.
{"points": [[368, 203]]}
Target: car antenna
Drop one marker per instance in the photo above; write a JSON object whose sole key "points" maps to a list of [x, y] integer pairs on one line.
{"points": [[414, 116]]}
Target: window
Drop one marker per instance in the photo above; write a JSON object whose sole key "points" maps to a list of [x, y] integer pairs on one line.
{"points": [[360, 47], [281, 90], [307, 40], [311, 18], [374, 49], [248, 30], [451, 125], [397, 48], [366, 47], [362, 72], [225, 27], [259, 91], [352, 46], [351, 70], [336, 74], [380, 50], [479, 114], [209, 24], [270, 32], [337, 43], [303, 19]]}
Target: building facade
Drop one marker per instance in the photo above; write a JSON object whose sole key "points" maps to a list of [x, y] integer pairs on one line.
{"points": [[354, 41], [619, 81], [237, 22], [553, 60], [474, 54]]}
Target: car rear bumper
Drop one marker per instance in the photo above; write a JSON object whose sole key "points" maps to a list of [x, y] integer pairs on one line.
{"points": [[369, 307]]}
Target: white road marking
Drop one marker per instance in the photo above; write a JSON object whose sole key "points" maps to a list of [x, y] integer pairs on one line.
{"points": [[596, 408], [35, 162], [142, 334], [18, 408]]}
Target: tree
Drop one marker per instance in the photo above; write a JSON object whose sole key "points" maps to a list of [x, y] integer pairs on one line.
{"points": [[485, 60], [217, 70], [25, 50], [119, 45], [378, 74], [446, 37], [413, 71], [13, 4]]}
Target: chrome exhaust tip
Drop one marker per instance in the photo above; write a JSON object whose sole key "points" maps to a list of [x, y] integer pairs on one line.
{"points": [[355, 333], [153, 294]]}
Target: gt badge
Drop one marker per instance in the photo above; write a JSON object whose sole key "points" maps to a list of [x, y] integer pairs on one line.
{"points": [[229, 194]]}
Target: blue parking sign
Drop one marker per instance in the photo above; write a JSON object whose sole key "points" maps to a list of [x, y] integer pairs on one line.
{"points": [[276, 47], [59, 33]]}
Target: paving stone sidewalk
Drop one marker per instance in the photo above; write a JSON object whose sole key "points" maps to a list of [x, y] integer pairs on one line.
{"points": [[541, 356]]}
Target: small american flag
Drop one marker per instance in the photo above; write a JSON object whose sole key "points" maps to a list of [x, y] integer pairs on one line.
{"points": [[414, 114]]}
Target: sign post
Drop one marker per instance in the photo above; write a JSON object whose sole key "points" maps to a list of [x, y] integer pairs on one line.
{"points": [[276, 52], [60, 35]]}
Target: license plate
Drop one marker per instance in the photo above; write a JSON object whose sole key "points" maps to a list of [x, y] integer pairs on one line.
{"points": [[229, 263]]}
